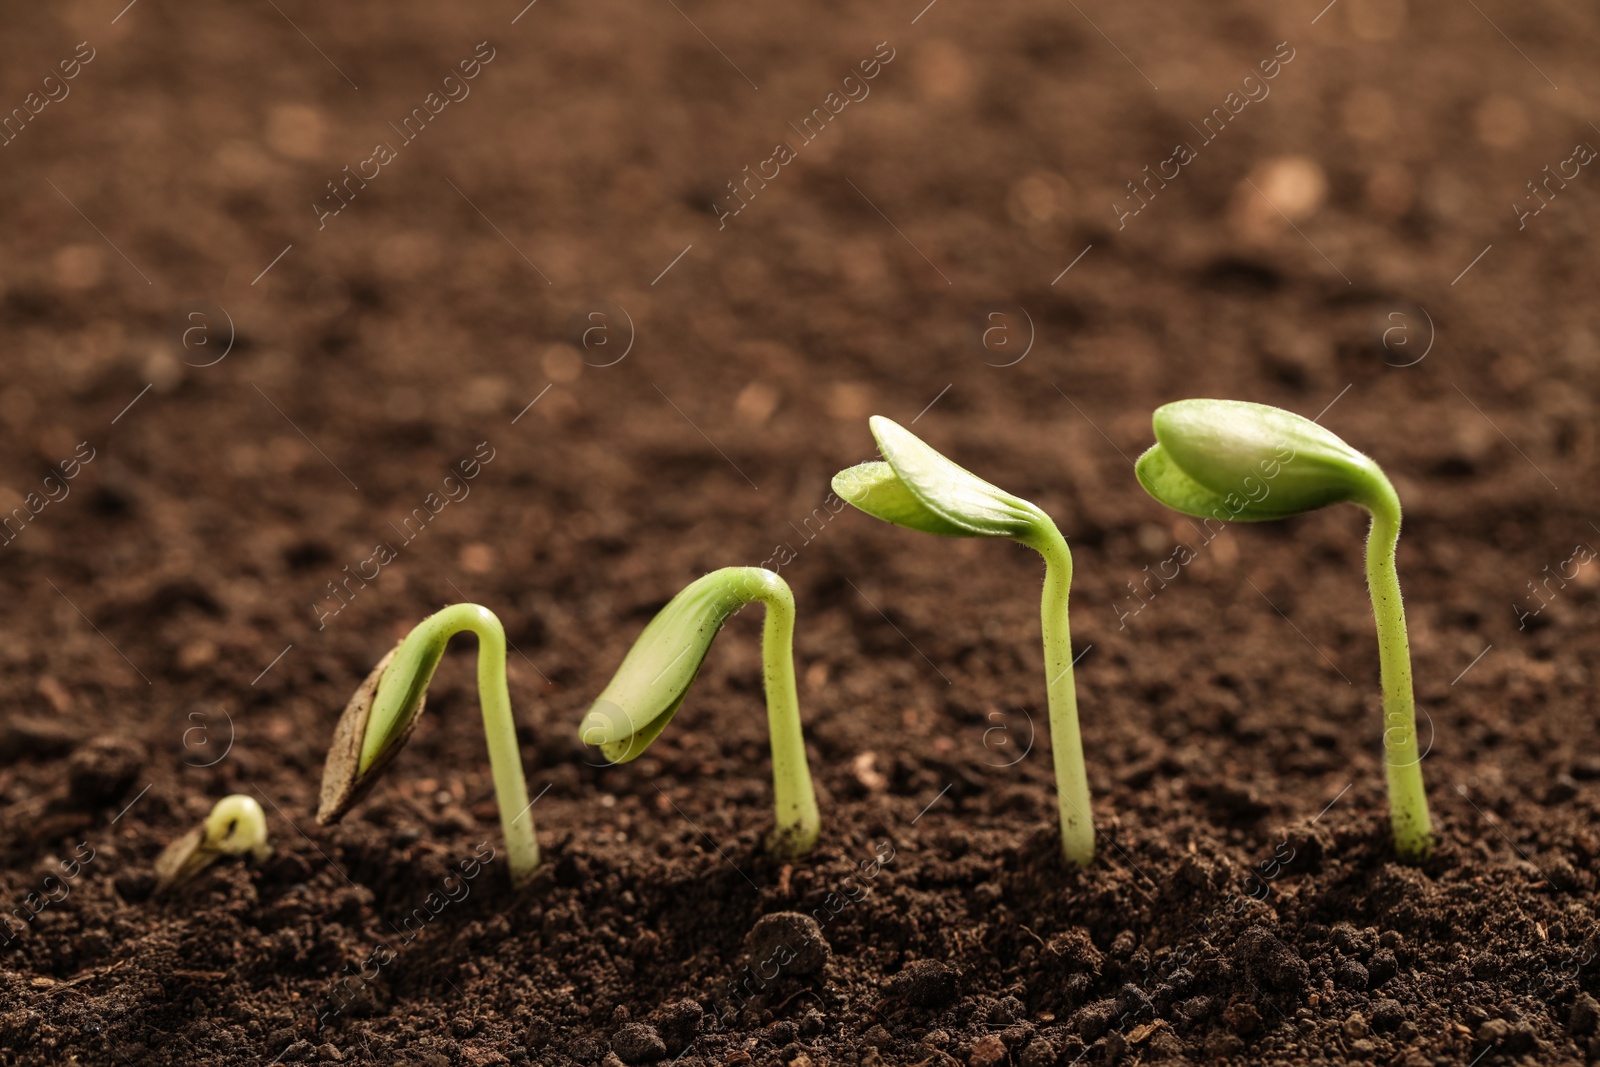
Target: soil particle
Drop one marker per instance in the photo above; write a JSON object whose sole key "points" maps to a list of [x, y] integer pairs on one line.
{"points": [[987, 1052], [1584, 1016], [585, 1049], [1193, 1009], [1351, 975], [638, 1043], [1076, 951], [1352, 942], [877, 1037], [101, 771], [1040, 1052], [1220, 1045], [1382, 967], [1093, 1020], [1123, 944], [1563, 789], [789, 940], [781, 1033], [1387, 1015], [1242, 1018], [40, 737], [1512, 1039], [1270, 963], [925, 984], [677, 1023]]}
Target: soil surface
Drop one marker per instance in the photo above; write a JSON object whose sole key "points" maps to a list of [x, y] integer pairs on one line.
{"points": [[276, 277]]}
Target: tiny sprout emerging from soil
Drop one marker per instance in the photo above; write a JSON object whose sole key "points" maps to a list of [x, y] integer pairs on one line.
{"points": [[920, 489], [1231, 460], [235, 827], [657, 672], [384, 710]]}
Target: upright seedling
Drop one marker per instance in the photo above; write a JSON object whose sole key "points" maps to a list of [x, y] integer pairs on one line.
{"points": [[381, 715], [920, 489], [1230, 460], [655, 676], [235, 827]]}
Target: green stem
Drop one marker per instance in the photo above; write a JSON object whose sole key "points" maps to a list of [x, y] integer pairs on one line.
{"points": [[1072, 781], [798, 824], [406, 679], [1408, 801]]}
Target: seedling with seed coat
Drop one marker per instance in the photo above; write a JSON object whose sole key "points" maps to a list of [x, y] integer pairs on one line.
{"points": [[920, 489], [381, 715], [1231, 460], [236, 827]]}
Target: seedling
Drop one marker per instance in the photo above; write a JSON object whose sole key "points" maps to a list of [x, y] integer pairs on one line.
{"points": [[655, 676], [1230, 460], [381, 715], [235, 827], [922, 490]]}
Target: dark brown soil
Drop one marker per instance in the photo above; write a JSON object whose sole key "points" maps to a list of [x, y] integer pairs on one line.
{"points": [[172, 636]]}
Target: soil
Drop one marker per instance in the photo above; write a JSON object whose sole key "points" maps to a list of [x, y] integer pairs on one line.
{"points": [[947, 251]]}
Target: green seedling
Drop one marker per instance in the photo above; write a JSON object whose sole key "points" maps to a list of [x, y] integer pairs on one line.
{"points": [[235, 827], [1230, 460], [922, 490], [655, 676], [383, 712]]}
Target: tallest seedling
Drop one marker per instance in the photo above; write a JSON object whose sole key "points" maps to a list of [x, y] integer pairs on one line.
{"points": [[920, 489], [1231, 460]]}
